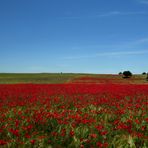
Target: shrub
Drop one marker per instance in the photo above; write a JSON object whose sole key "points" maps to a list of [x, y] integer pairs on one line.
{"points": [[127, 74], [147, 77]]}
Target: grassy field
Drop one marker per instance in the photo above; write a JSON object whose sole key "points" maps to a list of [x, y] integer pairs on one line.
{"points": [[54, 78], [13, 78], [86, 111]]}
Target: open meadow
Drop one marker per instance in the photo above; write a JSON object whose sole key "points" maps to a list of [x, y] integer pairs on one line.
{"points": [[73, 111], [73, 74]]}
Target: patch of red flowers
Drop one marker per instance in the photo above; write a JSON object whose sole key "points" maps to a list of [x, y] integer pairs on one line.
{"points": [[73, 114]]}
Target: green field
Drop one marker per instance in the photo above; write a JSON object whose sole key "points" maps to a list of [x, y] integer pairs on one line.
{"points": [[13, 78], [54, 78]]}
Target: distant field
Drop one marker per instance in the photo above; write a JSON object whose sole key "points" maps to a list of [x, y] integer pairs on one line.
{"points": [[111, 79], [54, 78], [43, 78]]}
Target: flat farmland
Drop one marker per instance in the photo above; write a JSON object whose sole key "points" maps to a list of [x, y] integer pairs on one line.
{"points": [[73, 111], [44, 78], [55, 78]]}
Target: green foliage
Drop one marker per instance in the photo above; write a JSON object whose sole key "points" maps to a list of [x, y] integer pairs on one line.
{"points": [[127, 74]]}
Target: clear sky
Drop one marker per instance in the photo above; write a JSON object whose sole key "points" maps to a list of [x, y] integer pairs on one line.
{"points": [[89, 36]]}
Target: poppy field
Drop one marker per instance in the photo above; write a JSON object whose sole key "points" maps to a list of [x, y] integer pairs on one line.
{"points": [[74, 115]]}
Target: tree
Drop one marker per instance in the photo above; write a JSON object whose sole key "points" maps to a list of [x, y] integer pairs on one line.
{"points": [[144, 73], [127, 74], [120, 73], [147, 77]]}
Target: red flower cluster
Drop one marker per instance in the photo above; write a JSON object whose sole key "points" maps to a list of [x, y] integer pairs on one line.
{"points": [[77, 115]]}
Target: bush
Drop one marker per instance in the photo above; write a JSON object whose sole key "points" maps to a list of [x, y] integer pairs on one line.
{"points": [[127, 74], [147, 77], [120, 73], [144, 73]]}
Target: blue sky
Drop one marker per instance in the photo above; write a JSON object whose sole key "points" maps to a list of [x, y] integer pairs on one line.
{"points": [[88, 36]]}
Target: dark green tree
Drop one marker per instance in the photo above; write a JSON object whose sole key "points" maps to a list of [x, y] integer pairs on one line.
{"points": [[147, 77], [127, 74], [120, 73]]}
